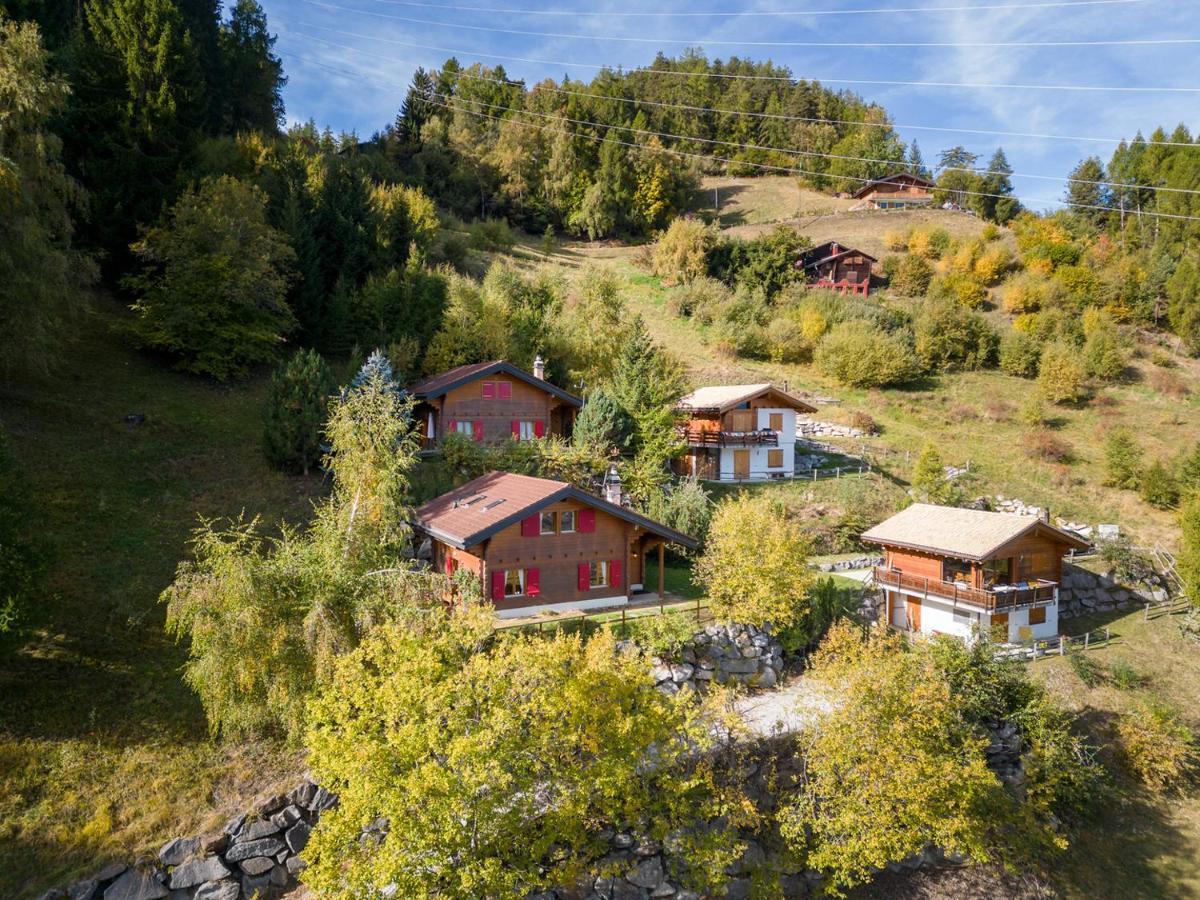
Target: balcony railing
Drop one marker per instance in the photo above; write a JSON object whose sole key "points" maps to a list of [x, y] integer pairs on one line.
{"points": [[697, 437], [993, 599]]}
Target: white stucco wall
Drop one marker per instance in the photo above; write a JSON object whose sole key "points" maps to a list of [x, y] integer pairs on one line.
{"points": [[758, 454], [942, 618], [1019, 618]]}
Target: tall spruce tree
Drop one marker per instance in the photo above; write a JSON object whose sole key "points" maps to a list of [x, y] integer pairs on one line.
{"points": [[296, 409], [253, 74], [998, 205], [1086, 193]]}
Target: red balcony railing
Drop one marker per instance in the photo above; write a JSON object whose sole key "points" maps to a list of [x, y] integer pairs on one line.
{"points": [[993, 599]]}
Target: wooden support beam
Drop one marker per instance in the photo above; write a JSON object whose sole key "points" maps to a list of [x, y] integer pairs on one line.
{"points": [[662, 580]]}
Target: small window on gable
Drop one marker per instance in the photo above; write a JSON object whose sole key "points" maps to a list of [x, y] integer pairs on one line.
{"points": [[504, 390], [566, 521], [488, 390], [548, 523], [776, 421]]}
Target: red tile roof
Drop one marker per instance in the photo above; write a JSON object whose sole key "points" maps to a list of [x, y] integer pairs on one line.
{"points": [[442, 382]]}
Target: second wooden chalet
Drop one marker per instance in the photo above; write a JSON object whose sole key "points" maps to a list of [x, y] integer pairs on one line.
{"points": [[903, 190], [837, 267], [963, 571], [740, 432], [539, 545], [491, 403]]}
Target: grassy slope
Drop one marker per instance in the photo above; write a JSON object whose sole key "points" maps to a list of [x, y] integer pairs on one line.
{"points": [[103, 748]]}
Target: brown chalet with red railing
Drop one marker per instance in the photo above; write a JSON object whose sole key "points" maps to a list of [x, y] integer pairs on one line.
{"points": [[492, 402], [837, 267], [959, 571], [538, 545]]}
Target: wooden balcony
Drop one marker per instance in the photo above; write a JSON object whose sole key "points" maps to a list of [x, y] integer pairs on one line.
{"points": [[996, 599], [697, 437]]}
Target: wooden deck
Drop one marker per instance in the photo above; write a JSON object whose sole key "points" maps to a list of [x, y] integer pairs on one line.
{"points": [[993, 600]]}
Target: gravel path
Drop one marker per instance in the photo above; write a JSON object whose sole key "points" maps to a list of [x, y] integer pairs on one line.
{"points": [[787, 709]]}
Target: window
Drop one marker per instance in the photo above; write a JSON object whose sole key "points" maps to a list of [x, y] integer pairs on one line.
{"points": [[514, 582], [462, 426], [777, 421], [487, 390], [566, 521], [598, 574], [1037, 615], [504, 390], [956, 570], [526, 431], [548, 523], [774, 459], [963, 618]]}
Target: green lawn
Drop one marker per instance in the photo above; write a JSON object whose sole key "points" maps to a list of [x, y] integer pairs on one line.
{"points": [[104, 750]]}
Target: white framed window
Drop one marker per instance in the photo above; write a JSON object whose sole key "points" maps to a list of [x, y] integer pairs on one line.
{"points": [[514, 582], [566, 521], [527, 430], [464, 427], [548, 523], [598, 574]]}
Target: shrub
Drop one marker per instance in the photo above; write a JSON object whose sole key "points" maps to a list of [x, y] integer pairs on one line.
{"points": [[895, 240], [1162, 358], [701, 298], [1169, 383], [1060, 374], [681, 254], [22, 555], [297, 402], [603, 424], [493, 235], [1156, 747], [912, 277], [1123, 460], [1045, 445], [1102, 355], [1025, 294], [1020, 354], [1124, 676], [860, 355], [963, 289], [991, 267], [1085, 667], [1033, 411], [863, 422], [766, 264], [929, 478], [663, 635], [1159, 487], [1188, 561], [755, 565], [950, 338], [686, 506]]}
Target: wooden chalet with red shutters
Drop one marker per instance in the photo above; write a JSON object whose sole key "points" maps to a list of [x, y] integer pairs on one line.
{"points": [[962, 571], [538, 545], [903, 190], [491, 403], [837, 268]]}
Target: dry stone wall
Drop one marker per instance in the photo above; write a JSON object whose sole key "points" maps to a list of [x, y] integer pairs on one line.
{"points": [[725, 654]]}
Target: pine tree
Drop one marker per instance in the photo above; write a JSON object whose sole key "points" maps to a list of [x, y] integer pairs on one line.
{"points": [[253, 74], [1085, 193], [603, 424], [1188, 561], [1000, 206], [417, 109], [916, 162], [929, 478], [1158, 486], [1183, 303], [296, 408], [1123, 460]]}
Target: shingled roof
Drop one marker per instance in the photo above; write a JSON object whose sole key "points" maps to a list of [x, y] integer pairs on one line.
{"points": [[971, 534], [481, 508], [724, 397], [442, 383], [866, 188]]}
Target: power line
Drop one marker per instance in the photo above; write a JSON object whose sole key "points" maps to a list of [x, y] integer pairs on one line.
{"points": [[790, 79], [704, 157], [774, 116], [630, 13], [689, 42]]}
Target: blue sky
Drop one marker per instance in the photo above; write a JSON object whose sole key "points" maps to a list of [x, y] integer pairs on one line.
{"points": [[319, 40]]}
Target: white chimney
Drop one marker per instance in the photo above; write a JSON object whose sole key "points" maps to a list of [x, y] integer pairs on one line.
{"points": [[613, 492], [539, 367]]}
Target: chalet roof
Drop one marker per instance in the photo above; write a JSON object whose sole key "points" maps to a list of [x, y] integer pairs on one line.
{"points": [[487, 505], [824, 253], [444, 382], [724, 397], [916, 179], [971, 534]]}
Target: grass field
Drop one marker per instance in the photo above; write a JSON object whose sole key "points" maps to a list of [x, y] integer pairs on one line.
{"points": [[104, 751]]}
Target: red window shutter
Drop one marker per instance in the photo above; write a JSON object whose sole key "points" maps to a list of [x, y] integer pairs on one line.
{"points": [[504, 390], [585, 577], [614, 572], [516, 428], [531, 526], [477, 429], [453, 426], [497, 585], [587, 521], [539, 428], [489, 390], [451, 565], [533, 585]]}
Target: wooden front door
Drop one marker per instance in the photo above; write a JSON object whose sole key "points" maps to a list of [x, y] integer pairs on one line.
{"points": [[741, 463], [913, 613]]}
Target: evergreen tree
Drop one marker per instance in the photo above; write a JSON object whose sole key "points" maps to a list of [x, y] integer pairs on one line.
{"points": [[252, 74], [297, 402], [416, 110], [1188, 561], [1158, 487], [1183, 303], [929, 478], [1085, 194], [1000, 206], [603, 424], [916, 162], [1123, 460]]}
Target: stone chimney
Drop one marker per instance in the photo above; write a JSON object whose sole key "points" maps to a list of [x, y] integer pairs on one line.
{"points": [[613, 491], [539, 367]]}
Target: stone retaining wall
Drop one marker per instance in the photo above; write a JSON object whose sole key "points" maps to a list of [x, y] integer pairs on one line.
{"points": [[1083, 591], [726, 654]]}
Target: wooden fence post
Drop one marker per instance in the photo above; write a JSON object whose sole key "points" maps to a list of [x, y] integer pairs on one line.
{"points": [[1062, 645], [1086, 635], [1107, 636], [1146, 614]]}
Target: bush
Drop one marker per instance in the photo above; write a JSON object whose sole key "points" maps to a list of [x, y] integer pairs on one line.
{"points": [[755, 566], [1188, 561], [950, 338], [701, 298], [1123, 460], [1060, 374], [766, 264], [863, 422], [1033, 411], [22, 555], [991, 267], [1159, 487], [1156, 747], [1124, 676], [1045, 445], [663, 635], [297, 402], [858, 354], [929, 478], [1020, 354], [603, 424], [491, 234], [895, 240], [1090, 672], [681, 254], [1102, 355], [962, 289], [912, 277], [686, 506], [1025, 294]]}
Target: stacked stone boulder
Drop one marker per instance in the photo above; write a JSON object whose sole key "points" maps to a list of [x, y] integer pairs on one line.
{"points": [[1083, 592], [810, 427], [255, 855], [725, 654]]}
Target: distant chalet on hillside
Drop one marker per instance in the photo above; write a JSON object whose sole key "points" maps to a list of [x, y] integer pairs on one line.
{"points": [[492, 402], [739, 432], [838, 268], [900, 191], [538, 545]]}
